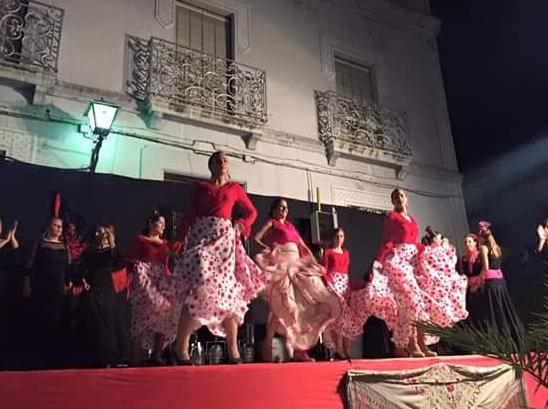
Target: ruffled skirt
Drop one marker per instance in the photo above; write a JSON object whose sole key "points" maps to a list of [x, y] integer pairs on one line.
{"points": [[445, 288], [215, 278], [297, 295]]}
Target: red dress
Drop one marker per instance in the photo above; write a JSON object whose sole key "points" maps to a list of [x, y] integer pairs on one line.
{"points": [[211, 200], [336, 265], [149, 251], [154, 305], [399, 255], [282, 233], [215, 278], [358, 305]]}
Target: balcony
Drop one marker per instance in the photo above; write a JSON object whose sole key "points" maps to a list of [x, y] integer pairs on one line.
{"points": [[30, 34], [362, 131], [178, 81]]}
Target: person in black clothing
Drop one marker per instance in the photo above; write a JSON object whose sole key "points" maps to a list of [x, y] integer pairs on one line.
{"points": [[496, 308], [8, 247], [46, 282], [469, 264], [107, 324], [9, 253]]}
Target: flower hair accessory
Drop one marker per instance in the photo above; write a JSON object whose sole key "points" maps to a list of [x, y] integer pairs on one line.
{"points": [[483, 227], [473, 236]]}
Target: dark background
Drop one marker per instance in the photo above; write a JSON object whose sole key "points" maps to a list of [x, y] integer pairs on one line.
{"points": [[495, 67], [28, 193]]}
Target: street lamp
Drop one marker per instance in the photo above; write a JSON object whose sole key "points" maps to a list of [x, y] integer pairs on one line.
{"points": [[100, 116]]}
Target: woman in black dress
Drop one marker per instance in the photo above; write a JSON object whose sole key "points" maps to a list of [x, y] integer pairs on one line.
{"points": [[496, 308], [107, 339], [46, 282], [470, 265]]}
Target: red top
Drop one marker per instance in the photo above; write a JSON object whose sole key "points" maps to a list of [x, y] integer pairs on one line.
{"points": [[336, 262], [147, 251], [282, 233], [208, 199], [397, 230]]}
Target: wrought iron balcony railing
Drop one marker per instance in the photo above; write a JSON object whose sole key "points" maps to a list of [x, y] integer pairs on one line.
{"points": [[183, 77], [30, 34], [362, 124]]}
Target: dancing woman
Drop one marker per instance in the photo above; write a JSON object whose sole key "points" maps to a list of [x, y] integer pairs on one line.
{"points": [[154, 307], [336, 261], [373, 298], [399, 256], [215, 278], [301, 306], [497, 309], [470, 266], [445, 288]]}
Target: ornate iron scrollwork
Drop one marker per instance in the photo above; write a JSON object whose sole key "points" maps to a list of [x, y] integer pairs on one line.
{"points": [[182, 77], [362, 124], [30, 34]]}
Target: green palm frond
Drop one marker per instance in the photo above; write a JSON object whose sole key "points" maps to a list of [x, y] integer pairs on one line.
{"points": [[529, 355], [538, 331]]}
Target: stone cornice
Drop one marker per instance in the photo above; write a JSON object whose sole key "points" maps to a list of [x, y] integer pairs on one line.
{"points": [[384, 12], [393, 15]]}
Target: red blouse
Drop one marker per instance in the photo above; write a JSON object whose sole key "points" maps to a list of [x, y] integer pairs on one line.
{"points": [[282, 233], [209, 199], [397, 230], [336, 262], [148, 251]]}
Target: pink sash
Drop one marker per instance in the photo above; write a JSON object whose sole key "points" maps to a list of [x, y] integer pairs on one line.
{"points": [[494, 274]]}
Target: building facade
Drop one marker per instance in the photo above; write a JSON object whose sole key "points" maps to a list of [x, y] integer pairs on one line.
{"points": [[342, 95]]}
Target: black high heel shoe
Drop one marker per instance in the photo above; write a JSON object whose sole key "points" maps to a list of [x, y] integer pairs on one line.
{"points": [[155, 361], [235, 361], [180, 361]]}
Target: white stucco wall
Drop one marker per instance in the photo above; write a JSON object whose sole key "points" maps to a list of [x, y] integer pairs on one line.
{"points": [[291, 40]]}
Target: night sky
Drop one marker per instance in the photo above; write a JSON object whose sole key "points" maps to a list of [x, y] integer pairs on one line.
{"points": [[494, 56]]}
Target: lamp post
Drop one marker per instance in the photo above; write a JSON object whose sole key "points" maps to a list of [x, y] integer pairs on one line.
{"points": [[100, 116]]}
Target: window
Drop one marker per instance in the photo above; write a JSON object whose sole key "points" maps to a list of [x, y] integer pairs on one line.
{"points": [[204, 30], [355, 81]]}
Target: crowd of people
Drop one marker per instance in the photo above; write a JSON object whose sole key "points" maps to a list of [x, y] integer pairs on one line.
{"points": [[142, 307]]}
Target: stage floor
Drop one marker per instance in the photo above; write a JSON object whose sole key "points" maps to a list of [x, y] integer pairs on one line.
{"points": [[253, 386]]}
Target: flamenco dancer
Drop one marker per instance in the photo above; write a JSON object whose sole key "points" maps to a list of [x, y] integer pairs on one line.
{"points": [[336, 261], [108, 313], [445, 288], [374, 298], [496, 308], [301, 306], [399, 256], [470, 266], [154, 306], [215, 278]]}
